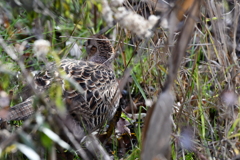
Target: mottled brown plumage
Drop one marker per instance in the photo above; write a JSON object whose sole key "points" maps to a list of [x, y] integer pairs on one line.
{"points": [[98, 98]]}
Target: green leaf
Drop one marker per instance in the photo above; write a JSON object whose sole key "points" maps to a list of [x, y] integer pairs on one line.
{"points": [[139, 87]]}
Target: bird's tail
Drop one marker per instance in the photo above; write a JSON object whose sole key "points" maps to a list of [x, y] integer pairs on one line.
{"points": [[21, 111]]}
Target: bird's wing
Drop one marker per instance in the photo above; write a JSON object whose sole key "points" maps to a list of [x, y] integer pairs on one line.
{"points": [[99, 97]]}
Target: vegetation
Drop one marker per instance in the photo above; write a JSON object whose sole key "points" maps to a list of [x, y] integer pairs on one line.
{"points": [[204, 121]]}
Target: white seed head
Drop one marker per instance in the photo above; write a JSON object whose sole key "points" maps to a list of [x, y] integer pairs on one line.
{"points": [[40, 48], [135, 23], [148, 102], [107, 13], [4, 99]]}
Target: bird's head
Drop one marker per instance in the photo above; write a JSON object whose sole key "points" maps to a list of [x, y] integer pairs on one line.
{"points": [[99, 50]]}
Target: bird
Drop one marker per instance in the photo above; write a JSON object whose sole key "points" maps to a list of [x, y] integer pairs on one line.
{"points": [[98, 98]]}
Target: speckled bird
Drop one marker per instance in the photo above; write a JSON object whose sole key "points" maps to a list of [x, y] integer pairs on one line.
{"points": [[96, 100]]}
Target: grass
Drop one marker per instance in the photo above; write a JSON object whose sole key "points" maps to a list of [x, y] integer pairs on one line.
{"points": [[207, 75]]}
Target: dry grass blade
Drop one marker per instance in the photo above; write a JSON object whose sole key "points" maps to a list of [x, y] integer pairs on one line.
{"points": [[181, 8], [95, 148], [158, 126], [180, 47], [156, 143], [233, 56]]}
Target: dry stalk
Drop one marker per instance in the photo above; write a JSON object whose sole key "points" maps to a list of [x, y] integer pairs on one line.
{"points": [[156, 136]]}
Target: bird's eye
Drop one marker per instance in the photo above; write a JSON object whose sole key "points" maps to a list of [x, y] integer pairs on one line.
{"points": [[93, 50]]}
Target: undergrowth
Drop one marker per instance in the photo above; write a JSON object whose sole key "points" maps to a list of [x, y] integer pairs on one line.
{"points": [[205, 125]]}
